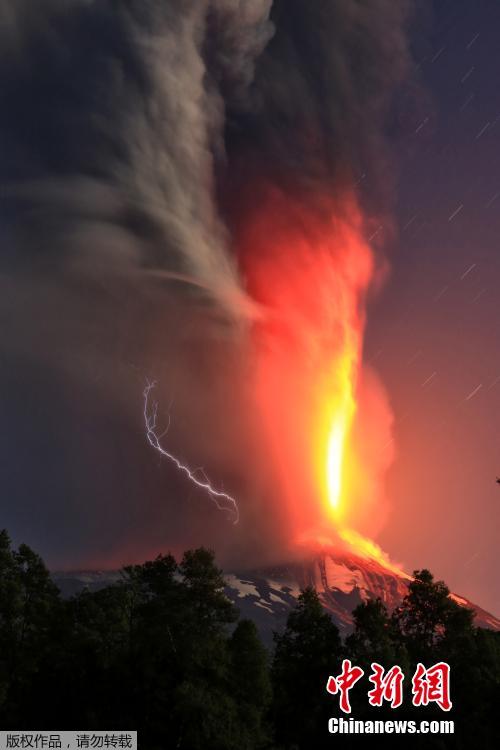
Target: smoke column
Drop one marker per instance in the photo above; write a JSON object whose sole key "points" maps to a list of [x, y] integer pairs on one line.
{"points": [[189, 192], [308, 175]]}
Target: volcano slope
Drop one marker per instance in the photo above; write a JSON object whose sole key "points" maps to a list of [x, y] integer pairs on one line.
{"points": [[267, 595]]}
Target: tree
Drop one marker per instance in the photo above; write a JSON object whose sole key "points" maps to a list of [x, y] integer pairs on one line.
{"points": [[429, 620], [436, 628], [155, 621], [159, 652], [206, 714], [306, 653], [250, 684], [30, 610], [375, 639], [204, 585]]}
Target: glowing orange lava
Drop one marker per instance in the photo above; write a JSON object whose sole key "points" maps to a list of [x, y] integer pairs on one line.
{"points": [[340, 413], [311, 272]]}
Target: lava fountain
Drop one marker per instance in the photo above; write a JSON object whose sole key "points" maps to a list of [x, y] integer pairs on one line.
{"points": [[311, 271]]}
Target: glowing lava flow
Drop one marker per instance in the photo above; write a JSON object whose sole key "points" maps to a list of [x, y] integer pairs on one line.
{"points": [[339, 433], [307, 264], [154, 440]]}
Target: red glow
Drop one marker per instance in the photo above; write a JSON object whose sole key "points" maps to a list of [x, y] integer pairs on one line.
{"points": [[311, 272]]}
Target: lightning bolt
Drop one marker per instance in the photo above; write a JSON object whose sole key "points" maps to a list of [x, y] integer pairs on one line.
{"points": [[222, 500]]}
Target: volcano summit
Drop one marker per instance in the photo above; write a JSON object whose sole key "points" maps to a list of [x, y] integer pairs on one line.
{"points": [[267, 595]]}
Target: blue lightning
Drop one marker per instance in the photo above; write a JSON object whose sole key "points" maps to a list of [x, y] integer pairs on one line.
{"points": [[222, 500]]}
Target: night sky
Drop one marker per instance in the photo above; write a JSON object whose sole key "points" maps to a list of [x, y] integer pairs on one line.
{"points": [[434, 333], [90, 309]]}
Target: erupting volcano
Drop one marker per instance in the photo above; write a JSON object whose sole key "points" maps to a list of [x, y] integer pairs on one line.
{"points": [[210, 203]]}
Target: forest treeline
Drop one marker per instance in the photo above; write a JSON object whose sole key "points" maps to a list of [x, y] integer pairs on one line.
{"points": [[164, 652]]}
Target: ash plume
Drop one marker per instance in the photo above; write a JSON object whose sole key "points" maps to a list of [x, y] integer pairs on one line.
{"points": [[136, 137], [322, 102]]}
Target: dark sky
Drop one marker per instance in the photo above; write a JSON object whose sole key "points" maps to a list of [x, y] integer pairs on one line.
{"points": [[434, 333], [93, 191]]}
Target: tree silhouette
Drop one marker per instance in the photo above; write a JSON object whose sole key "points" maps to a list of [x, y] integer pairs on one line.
{"points": [[250, 684], [306, 653], [428, 618], [375, 637], [162, 652]]}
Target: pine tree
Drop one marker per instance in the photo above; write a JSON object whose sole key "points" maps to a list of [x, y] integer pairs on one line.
{"points": [[250, 684], [429, 619], [308, 651], [375, 639], [30, 609]]}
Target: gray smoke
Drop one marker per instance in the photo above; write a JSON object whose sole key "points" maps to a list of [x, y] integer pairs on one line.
{"points": [[131, 133], [111, 127]]}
